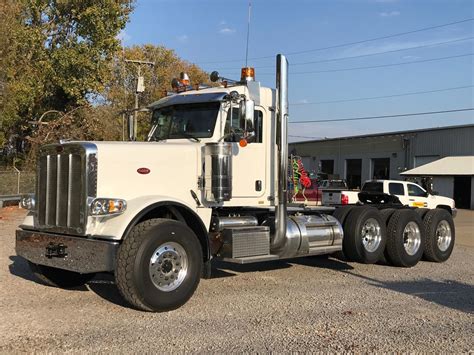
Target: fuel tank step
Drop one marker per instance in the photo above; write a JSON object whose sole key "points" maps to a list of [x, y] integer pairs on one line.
{"points": [[244, 242]]}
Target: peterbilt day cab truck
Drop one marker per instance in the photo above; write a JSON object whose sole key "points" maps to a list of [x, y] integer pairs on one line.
{"points": [[211, 182]]}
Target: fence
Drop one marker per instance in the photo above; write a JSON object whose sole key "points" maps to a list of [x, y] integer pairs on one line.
{"points": [[17, 182]]}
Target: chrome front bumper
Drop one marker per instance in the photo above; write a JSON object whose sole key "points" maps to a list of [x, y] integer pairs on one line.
{"points": [[77, 254]]}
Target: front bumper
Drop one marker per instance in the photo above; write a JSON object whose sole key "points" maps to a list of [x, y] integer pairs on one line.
{"points": [[77, 254]]}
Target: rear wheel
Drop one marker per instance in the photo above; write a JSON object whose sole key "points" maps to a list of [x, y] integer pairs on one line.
{"points": [[440, 235], [405, 238], [364, 235], [55, 277], [159, 265], [341, 214]]}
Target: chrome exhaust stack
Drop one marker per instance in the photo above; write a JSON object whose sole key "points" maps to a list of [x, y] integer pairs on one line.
{"points": [[279, 237]]}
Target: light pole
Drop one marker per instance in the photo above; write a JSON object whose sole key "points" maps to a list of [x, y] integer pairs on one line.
{"points": [[139, 89]]}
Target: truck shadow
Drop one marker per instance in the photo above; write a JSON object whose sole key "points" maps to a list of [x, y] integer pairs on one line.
{"points": [[448, 293], [222, 269], [103, 284], [19, 267]]}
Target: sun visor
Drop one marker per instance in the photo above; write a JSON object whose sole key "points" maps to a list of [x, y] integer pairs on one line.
{"points": [[187, 99]]}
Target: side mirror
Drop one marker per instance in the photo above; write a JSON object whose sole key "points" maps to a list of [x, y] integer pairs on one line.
{"points": [[246, 109]]}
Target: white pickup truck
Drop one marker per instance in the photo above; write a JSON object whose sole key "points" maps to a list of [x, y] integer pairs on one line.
{"points": [[336, 192], [410, 194]]}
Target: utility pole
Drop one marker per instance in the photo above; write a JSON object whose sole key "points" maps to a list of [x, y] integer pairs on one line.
{"points": [[139, 89]]}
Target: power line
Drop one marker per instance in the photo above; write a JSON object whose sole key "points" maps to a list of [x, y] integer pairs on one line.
{"points": [[348, 43], [377, 66], [381, 97], [363, 55], [385, 116]]}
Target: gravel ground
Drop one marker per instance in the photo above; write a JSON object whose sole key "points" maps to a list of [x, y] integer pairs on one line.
{"points": [[310, 304]]}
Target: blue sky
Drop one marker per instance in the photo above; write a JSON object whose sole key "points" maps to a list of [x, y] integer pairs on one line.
{"points": [[212, 34]]}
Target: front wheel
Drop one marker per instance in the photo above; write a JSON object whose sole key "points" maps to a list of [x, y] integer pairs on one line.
{"points": [[159, 265]]}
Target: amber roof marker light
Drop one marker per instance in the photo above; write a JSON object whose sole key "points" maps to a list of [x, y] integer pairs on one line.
{"points": [[247, 74]]}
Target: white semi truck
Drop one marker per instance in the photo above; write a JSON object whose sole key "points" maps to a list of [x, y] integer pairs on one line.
{"points": [[211, 182]]}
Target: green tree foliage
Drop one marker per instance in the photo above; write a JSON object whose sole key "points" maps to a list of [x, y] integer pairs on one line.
{"points": [[61, 63], [54, 54]]}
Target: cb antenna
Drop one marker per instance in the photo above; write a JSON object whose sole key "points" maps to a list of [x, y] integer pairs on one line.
{"points": [[248, 34]]}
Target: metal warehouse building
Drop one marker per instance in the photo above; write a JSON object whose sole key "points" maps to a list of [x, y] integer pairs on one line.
{"points": [[387, 155]]}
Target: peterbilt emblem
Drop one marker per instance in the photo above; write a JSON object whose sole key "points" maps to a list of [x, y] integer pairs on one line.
{"points": [[143, 171]]}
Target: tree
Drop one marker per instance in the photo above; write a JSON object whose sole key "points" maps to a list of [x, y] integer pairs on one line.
{"points": [[119, 93], [55, 54]]}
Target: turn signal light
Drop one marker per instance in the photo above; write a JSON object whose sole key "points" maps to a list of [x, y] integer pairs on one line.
{"points": [[106, 206], [243, 143]]}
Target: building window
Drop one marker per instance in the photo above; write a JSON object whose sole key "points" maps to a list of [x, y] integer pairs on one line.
{"points": [[327, 166], [381, 168], [395, 188], [354, 173]]}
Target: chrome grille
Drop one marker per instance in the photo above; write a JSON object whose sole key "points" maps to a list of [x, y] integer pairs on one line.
{"points": [[66, 178]]}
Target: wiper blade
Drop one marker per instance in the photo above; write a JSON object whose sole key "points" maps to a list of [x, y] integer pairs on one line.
{"points": [[190, 136]]}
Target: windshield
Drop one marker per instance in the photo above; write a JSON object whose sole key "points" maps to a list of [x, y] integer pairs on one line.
{"points": [[184, 121]]}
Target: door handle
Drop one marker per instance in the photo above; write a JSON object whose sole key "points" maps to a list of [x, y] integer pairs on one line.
{"points": [[411, 199]]}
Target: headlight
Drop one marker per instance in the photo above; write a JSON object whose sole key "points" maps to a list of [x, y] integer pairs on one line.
{"points": [[28, 202], [107, 206]]}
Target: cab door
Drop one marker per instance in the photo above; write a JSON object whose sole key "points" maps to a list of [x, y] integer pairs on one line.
{"points": [[417, 197], [248, 162], [397, 189]]}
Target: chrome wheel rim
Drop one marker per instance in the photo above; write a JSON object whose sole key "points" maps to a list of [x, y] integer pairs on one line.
{"points": [[168, 266], [412, 238], [371, 235], [443, 235]]}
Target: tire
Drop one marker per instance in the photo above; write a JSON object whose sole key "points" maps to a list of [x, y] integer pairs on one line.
{"points": [[440, 235], [55, 277], [386, 214], [159, 265], [405, 238], [341, 214], [422, 212], [364, 235]]}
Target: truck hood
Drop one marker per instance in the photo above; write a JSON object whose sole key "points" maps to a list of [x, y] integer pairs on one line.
{"points": [[443, 200], [133, 169]]}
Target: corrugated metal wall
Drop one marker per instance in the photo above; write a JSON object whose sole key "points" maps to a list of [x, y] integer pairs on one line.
{"points": [[446, 142]]}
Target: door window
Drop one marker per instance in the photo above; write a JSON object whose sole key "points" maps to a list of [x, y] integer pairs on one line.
{"points": [[235, 127], [395, 188], [414, 190]]}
